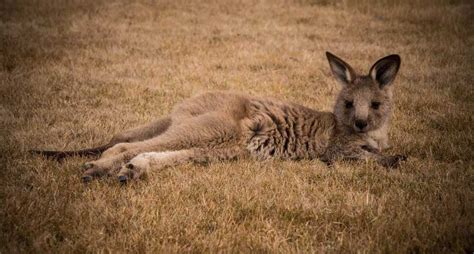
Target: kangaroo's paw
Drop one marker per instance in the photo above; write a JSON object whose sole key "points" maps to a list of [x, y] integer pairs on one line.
{"points": [[393, 161]]}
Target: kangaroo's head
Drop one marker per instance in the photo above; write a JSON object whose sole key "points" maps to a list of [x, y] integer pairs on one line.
{"points": [[365, 101]]}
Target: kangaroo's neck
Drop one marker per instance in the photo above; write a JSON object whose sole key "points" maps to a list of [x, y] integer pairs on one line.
{"points": [[377, 138]]}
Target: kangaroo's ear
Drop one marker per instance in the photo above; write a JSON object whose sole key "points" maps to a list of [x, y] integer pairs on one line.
{"points": [[385, 70], [341, 70]]}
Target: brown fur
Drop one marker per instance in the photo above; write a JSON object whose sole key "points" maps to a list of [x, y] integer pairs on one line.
{"points": [[217, 126]]}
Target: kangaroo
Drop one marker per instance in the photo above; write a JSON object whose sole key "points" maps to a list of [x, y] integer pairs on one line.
{"points": [[218, 126]]}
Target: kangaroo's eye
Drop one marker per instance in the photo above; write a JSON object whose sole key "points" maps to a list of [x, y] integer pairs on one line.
{"points": [[375, 105], [349, 104]]}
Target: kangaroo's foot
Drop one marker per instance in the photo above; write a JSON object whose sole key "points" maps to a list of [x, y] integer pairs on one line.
{"points": [[142, 163], [135, 167], [99, 168]]}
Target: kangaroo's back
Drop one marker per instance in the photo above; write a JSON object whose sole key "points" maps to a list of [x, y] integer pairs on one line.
{"points": [[233, 105]]}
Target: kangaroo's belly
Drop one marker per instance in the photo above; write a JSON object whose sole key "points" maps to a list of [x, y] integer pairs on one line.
{"points": [[286, 131]]}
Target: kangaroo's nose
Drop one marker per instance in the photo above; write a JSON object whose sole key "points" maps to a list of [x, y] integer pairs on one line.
{"points": [[361, 124]]}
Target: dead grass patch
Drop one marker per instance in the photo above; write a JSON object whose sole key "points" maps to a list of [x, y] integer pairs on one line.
{"points": [[74, 72]]}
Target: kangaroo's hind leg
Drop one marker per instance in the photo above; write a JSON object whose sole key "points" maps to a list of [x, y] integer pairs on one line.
{"points": [[144, 162], [140, 133], [143, 132], [211, 130]]}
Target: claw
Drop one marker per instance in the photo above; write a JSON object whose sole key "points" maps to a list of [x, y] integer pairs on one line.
{"points": [[123, 179], [393, 161], [86, 166], [402, 157], [86, 178]]}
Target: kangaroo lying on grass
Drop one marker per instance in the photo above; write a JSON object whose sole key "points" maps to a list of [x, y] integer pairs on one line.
{"points": [[219, 126]]}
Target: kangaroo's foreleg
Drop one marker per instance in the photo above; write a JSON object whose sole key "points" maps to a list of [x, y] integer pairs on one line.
{"points": [[140, 133], [143, 163], [361, 151], [387, 161]]}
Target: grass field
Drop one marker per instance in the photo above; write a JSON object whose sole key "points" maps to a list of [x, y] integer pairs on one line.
{"points": [[75, 72]]}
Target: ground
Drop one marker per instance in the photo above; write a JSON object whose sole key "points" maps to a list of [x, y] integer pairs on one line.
{"points": [[73, 73]]}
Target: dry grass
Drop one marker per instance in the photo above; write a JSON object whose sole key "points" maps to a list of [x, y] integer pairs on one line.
{"points": [[74, 72]]}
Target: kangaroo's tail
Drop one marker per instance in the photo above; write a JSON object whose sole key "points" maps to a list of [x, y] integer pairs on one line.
{"points": [[59, 155]]}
